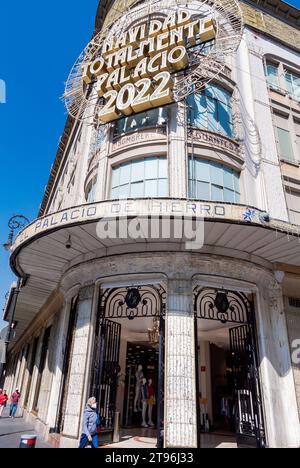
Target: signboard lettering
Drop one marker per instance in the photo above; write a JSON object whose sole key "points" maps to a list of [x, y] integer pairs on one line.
{"points": [[134, 71]]}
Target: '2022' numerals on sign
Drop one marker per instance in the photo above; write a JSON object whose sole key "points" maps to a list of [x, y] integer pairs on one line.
{"points": [[137, 97]]}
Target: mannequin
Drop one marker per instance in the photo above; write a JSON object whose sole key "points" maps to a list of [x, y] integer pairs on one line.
{"points": [[145, 398], [151, 402], [139, 375]]}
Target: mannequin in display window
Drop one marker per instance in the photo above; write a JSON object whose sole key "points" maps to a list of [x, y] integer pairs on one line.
{"points": [[145, 399], [151, 402], [139, 375]]}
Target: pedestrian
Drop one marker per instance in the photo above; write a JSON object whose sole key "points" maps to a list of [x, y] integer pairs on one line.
{"points": [[91, 425], [14, 403], [3, 401]]}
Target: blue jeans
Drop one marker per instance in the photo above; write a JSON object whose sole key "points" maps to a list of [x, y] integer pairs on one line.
{"points": [[84, 441], [13, 409]]}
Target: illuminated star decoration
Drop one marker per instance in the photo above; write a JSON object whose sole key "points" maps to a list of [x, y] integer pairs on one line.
{"points": [[249, 215]]}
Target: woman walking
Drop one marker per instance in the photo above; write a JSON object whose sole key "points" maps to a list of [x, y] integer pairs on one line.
{"points": [[91, 423], [3, 401], [14, 403]]}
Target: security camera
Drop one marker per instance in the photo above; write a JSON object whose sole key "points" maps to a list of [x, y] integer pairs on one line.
{"points": [[69, 243], [265, 217]]}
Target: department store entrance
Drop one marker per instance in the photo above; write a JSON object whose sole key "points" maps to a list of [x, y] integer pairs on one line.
{"points": [[229, 404], [128, 370]]}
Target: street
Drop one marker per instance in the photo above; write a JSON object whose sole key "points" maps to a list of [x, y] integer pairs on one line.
{"points": [[11, 431]]}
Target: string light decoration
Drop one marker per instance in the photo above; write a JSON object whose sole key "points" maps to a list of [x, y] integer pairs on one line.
{"points": [[82, 100]]}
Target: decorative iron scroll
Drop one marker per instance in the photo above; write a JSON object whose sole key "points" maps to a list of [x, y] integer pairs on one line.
{"points": [[222, 306], [133, 302]]}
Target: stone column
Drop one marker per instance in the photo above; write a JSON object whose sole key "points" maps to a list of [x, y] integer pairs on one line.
{"points": [[78, 372], [278, 387], [59, 362], [180, 370]]}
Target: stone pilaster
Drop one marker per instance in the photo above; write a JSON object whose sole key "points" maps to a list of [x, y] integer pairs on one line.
{"points": [[78, 373], [278, 388], [180, 375], [177, 152], [58, 356]]}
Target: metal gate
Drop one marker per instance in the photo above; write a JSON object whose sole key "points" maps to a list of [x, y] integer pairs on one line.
{"points": [[248, 408], [106, 371], [232, 307], [116, 305]]}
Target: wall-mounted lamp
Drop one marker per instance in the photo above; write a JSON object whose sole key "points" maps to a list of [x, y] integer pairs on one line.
{"points": [[15, 223], [69, 243]]}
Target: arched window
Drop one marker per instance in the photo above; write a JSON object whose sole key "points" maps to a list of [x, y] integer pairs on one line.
{"points": [[147, 177], [211, 110], [91, 193], [212, 181]]}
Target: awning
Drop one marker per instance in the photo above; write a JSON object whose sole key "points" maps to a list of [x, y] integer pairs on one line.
{"points": [[40, 252]]}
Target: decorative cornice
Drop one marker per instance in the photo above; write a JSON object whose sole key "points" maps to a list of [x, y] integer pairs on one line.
{"points": [[103, 8], [280, 10], [61, 152]]}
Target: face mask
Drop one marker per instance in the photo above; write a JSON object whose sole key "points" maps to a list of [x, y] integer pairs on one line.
{"points": [[94, 406]]}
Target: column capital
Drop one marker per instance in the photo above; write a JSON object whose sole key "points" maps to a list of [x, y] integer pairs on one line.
{"points": [[180, 297], [86, 292], [274, 289], [180, 285]]}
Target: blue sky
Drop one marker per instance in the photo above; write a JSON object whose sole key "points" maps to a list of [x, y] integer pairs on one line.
{"points": [[39, 43], [295, 3]]}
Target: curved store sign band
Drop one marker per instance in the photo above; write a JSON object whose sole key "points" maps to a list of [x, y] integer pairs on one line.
{"points": [[151, 56], [168, 208]]}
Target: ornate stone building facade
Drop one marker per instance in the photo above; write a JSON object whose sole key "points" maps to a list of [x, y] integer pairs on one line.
{"points": [[214, 329]]}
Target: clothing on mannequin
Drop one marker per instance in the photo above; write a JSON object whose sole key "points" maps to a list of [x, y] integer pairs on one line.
{"points": [[151, 402], [145, 399], [139, 375]]}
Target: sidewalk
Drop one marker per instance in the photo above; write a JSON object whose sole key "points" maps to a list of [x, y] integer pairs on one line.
{"points": [[11, 431]]}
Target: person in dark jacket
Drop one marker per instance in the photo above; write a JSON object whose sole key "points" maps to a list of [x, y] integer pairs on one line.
{"points": [[91, 422]]}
